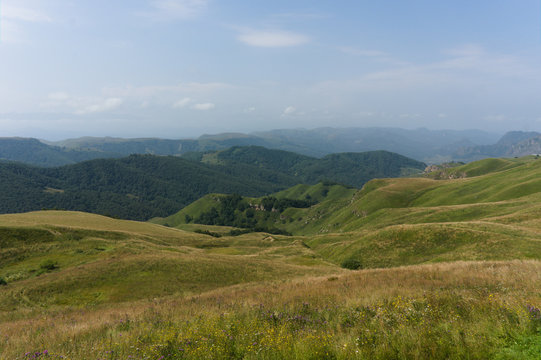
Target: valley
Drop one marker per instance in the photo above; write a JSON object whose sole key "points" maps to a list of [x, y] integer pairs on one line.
{"points": [[270, 180], [433, 266]]}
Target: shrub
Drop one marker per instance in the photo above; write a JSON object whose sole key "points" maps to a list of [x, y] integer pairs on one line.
{"points": [[352, 264], [207, 232], [3, 281], [48, 265]]}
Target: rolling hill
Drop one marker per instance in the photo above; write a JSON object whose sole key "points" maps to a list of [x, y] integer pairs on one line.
{"points": [[353, 169], [448, 218], [140, 187], [450, 269]]}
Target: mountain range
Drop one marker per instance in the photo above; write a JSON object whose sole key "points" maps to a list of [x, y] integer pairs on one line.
{"points": [[421, 144]]}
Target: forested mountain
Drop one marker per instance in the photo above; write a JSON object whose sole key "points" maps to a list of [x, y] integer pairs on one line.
{"points": [[352, 169], [421, 144], [35, 152], [140, 187], [425, 145]]}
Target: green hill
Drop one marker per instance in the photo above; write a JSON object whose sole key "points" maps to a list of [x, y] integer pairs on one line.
{"points": [[257, 214], [452, 219], [71, 258], [137, 187], [448, 269], [352, 169], [140, 187]]}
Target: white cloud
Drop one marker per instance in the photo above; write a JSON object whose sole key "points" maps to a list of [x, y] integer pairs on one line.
{"points": [[80, 105], [272, 38], [175, 9], [466, 67], [365, 114], [102, 106], [58, 96], [142, 92], [182, 103], [9, 32], [361, 52], [204, 106], [249, 110], [18, 13], [301, 16], [467, 50], [409, 116], [13, 17], [371, 54], [496, 118], [290, 110]]}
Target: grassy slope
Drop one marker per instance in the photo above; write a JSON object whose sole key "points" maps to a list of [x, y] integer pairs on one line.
{"points": [[102, 260], [447, 310], [393, 222], [475, 310], [333, 195], [408, 221]]}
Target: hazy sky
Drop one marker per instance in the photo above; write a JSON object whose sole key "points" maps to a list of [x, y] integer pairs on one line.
{"points": [[180, 68]]}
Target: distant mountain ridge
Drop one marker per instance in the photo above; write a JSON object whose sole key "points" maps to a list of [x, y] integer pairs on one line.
{"points": [[35, 152], [512, 144], [431, 146], [421, 144]]}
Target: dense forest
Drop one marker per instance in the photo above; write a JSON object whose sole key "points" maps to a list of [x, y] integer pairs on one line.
{"points": [[234, 210], [141, 187], [352, 169]]}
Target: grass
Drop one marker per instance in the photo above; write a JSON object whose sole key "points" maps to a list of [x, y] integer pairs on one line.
{"points": [[450, 269], [95, 265], [455, 310]]}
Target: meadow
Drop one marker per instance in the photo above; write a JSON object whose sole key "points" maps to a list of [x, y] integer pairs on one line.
{"points": [[447, 269], [458, 310]]}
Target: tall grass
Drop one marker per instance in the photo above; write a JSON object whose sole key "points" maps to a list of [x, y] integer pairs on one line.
{"points": [[445, 311]]}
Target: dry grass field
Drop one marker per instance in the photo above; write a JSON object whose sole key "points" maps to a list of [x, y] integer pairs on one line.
{"points": [[454, 310]]}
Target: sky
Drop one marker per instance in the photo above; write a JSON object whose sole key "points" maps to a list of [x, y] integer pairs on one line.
{"points": [[182, 68]]}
